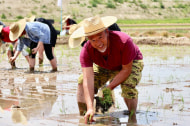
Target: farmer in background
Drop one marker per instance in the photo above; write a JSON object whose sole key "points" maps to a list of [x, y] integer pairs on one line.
{"points": [[116, 59], [67, 22], [39, 33], [2, 43], [53, 37], [27, 41], [4, 36]]}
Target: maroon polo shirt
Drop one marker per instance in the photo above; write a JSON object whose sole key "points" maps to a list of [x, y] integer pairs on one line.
{"points": [[120, 51]]}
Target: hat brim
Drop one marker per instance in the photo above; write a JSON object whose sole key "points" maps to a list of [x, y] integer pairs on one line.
{"points": [[19, 116], [72, 28], [30, 19], [75, 42], [66, 18], [1, 27], [16, 35], [108, 21]]}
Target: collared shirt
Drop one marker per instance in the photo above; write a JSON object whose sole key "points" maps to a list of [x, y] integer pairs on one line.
{"points": [[21, 42], [121, 51], [37, 31]]}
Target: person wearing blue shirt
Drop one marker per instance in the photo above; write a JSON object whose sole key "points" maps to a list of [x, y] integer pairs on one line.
{"points": [[39, 34]]}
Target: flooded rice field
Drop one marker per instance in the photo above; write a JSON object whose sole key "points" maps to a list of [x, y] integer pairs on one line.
{"points": [[43, 98]]}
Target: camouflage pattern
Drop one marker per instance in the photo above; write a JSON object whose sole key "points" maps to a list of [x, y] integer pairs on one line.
{"points": [[129, 91]]}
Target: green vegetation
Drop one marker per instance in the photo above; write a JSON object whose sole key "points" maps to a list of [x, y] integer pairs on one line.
{"points": [[33, 12], [162, 5], [119, 1], [179, 35], [110, 4], [29, 51], [151, 50], [44, 11], [3, 16], [165, 34], [105, 102], [143, 6], [11, 47], [19, 17], [36, 1], [44, 6], [153, 21]]}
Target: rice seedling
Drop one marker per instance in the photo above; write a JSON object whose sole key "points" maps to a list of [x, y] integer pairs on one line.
{"points": [[62, 109], [172, 98], [162, 98]]}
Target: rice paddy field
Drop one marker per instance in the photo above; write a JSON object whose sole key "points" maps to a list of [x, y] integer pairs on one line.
{"points": [[43, 98]]}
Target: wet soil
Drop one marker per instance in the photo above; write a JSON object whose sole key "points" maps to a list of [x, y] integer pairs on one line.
{"points": [[45, 98]]}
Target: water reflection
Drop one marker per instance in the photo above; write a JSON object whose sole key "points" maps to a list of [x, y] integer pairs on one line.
{"points": [[50, 98], [28, 102]]}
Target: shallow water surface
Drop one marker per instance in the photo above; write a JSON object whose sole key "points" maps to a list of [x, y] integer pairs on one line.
{"points": [[44, 98]]}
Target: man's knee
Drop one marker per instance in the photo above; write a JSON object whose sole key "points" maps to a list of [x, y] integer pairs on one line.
{"points": [[129, 93]]}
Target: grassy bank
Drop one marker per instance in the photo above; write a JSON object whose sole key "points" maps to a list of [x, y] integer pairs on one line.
{"points": [[155, 21]]}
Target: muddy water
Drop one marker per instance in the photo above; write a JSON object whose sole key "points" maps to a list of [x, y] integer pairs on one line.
{"points": [[44, 98]]}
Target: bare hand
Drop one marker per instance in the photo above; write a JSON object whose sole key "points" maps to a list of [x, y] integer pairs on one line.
{"points": [[34, 50], [88, 118], [12, 59]]}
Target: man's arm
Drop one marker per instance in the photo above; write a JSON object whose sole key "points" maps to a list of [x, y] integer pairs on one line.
{"points": [[121, 76], [15, 46], [88, 86], [19, 47], [35, 50], [12, 59]]}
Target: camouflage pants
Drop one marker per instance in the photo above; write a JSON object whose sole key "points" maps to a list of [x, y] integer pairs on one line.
{"points": [[129, 91]]}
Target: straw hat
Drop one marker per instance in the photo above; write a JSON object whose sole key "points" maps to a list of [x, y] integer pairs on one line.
{"points": [[64, 18], [93, 26], [30, 19], [1, 27], [19, 116], [16, 29], [74, 42]]}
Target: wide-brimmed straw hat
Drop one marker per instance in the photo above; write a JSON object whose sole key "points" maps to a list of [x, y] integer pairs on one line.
{"points": [[19, 116], [74, 42], [1, 27], [94, 25], [64, 18], [16, 29], [30, 19]]}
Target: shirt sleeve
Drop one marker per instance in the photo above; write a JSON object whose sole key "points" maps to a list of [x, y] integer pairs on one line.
{"points": [[20, 45], [85, 59], [129, 52]]}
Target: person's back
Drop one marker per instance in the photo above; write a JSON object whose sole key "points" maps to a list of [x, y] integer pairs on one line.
{"points": [[53, 37], [42, 20], [71, 21], [114, 27]]}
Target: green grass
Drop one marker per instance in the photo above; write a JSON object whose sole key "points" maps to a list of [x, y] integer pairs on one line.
{"points": [[169, 26], [149, 21]]}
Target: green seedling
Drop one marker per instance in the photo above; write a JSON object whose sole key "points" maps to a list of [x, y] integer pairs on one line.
{"points": [[131, 114], [29, 51], [11, 47], [90, 118], [105, 102]]}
